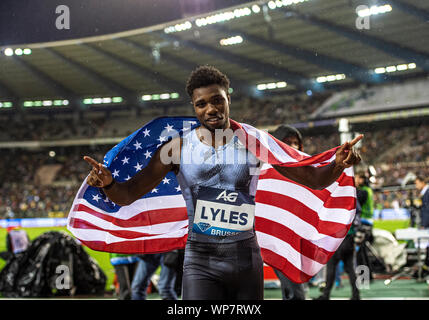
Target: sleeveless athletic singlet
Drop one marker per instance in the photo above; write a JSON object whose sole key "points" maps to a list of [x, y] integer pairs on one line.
{"points": [[222, 256]]}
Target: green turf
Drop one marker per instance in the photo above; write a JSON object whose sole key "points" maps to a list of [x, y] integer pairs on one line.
{"points": [[391, 225], [402, 288]]}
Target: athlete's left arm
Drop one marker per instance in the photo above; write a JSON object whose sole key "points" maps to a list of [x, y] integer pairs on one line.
{"points": [[318, 178]]}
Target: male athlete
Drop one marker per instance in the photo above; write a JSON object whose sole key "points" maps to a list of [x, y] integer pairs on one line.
{"points": [[226, 264]]}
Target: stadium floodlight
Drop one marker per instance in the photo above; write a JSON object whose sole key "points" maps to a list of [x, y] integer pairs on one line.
{"points": [[272, 5], [331, 77], [178, 27], [380, 70], [321, 79], [411, 66], [374, 10], [230, 90], [155, 97], [391, 69], [58, 102], [227, 15], [147, 97], [5, 104], [97, 100], [174, 95], [117, 99], [200, 22], [271, 85], [242, 12], [256, 8], [231, 41], [52, 153], [18, 52], [28, 104], [164, 96], [287, 2], [65, 102], [47, 103], [26, 51], [87, 101], [37, 103], [401, 67], [8, 52], [107, 100]]}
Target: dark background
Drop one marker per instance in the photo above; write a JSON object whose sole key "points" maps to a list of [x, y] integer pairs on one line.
{"points": [[31, 21]]}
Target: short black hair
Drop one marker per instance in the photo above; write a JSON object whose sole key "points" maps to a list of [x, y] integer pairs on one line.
{"points": [[421, 178], [204, 76], [285, 131]]}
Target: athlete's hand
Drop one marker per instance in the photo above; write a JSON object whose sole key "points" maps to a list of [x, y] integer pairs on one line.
{"points": [[346, 155], [99, 176]]}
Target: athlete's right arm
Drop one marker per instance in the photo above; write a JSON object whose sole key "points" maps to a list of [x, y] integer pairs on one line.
{"points": [[125, 193]]}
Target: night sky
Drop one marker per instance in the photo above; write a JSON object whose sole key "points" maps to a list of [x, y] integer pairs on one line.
{"points": [[30, 21]]}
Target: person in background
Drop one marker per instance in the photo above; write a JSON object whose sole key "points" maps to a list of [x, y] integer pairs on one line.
{"points": [[423, 188], [290, 289], [146, 267], [17, 241], [346, 253], [125, 265], [367, 197]]}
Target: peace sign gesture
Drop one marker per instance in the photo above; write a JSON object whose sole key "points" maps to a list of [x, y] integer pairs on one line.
{"points": [[346, 155], [99, 176]]}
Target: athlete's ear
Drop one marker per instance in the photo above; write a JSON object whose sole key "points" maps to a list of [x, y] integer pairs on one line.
{"points": [[229, 99]]}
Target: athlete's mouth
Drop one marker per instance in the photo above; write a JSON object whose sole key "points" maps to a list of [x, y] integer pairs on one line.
{"points": [[213, 120]]}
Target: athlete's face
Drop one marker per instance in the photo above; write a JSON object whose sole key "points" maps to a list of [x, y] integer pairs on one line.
{"points": [[211, 105]]}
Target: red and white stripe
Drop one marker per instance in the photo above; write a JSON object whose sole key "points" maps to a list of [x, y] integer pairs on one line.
{"points": [[298, 229], [158, 224]]}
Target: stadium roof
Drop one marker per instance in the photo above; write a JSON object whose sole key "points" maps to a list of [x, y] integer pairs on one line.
{"points": [[280, 45]]}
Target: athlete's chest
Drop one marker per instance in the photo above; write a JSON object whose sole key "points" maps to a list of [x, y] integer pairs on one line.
{"points": [[230, 167]]}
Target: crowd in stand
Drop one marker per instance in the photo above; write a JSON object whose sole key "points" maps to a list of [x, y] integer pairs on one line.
{"points": [[257, 112], [23, 195], [276, 110], [393, 152]]}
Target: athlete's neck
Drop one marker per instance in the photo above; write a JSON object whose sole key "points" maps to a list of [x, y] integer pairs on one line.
{"points": [[215, 137]]}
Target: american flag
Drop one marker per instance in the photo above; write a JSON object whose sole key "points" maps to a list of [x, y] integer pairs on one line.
{"points": [[298, 229]]}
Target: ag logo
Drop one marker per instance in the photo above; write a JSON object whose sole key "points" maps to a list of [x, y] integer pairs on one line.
{"points": [[232, 197]]}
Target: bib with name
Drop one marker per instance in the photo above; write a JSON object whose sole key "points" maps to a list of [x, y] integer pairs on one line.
{"points": [[221, 212]]}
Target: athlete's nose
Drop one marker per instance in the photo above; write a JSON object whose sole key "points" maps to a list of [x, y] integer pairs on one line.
{"points": [[211, 109]]}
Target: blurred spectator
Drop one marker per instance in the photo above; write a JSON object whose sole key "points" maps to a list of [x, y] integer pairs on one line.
{"points": [[125, 265], [145, 269], [423, 188]]}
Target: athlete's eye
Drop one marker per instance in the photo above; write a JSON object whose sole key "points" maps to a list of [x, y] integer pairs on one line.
{"points": [[217, 101]]}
